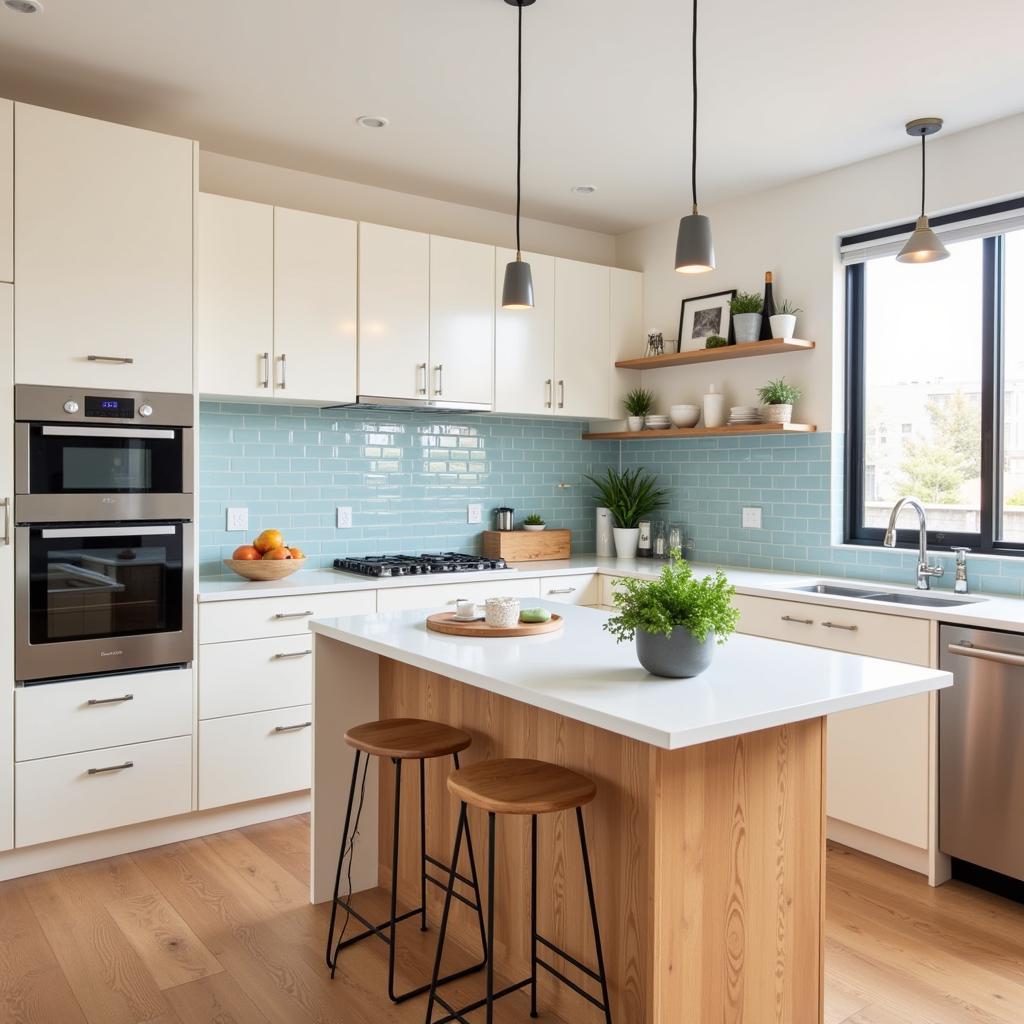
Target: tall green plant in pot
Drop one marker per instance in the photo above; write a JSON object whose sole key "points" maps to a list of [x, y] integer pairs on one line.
{"points": [[677, 619], [630, 495]]}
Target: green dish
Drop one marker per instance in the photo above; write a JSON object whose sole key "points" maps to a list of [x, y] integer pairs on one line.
{"points": [[535, 615]]}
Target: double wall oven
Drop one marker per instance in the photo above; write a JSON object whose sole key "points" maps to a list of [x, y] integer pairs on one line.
{"points": [[103, 532]]}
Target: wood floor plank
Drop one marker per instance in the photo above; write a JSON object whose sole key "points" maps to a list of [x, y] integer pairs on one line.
{"points": [[286, 840], [218, 999]]}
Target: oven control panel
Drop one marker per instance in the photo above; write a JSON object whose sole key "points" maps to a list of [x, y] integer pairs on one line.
{"points": [[41, 404], [108, 408]]}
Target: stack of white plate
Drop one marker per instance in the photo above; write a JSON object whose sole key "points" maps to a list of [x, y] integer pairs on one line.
{"points": [[657, 422], [740, 415]]}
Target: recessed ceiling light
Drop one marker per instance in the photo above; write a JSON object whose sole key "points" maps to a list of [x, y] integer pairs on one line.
{"points": [[371, 121], [24, 6], [583, 190]]}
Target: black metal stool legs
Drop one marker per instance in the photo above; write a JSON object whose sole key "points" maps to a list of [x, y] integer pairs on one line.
{"points": [[593, 918]]}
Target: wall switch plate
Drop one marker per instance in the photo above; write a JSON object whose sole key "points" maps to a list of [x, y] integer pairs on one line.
{"points": [[344, 517], [237, 520], [475, 513], [752, 518]]}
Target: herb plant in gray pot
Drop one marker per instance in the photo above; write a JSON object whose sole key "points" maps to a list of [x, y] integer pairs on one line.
{"points": [[677, 619], [746, 316], [630, 495]]}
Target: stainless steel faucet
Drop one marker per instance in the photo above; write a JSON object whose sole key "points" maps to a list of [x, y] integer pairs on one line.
{"points": [[924, 571]]}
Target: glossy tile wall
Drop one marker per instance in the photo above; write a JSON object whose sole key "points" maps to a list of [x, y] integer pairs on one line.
{"points": [[407, 477]]}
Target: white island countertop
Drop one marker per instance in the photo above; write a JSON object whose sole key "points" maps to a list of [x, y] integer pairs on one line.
{"points": [[581, 673]]}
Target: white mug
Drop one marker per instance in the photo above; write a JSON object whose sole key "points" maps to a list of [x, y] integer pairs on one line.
{"points": [[465, 609]]}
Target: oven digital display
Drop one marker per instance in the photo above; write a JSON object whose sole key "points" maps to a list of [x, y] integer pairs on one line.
{"points": [[116, 408]]}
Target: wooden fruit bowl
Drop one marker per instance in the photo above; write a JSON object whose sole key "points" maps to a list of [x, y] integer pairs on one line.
{"points": [[265, 569]]}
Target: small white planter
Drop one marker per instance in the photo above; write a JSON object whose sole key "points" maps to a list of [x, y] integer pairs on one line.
{"points": [[747, 327], [634, 423], [626, 542], [783, 325], [535, 529], [777, 413]]}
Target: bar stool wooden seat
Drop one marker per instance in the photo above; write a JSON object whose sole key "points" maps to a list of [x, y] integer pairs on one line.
{"points": [[519, 786], [401, 739]]}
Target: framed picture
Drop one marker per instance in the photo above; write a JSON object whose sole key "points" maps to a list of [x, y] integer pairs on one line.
{"points": [[703, 316]]}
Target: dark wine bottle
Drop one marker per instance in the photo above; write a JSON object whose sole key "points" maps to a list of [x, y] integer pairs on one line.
{"points": [[768, 309]]}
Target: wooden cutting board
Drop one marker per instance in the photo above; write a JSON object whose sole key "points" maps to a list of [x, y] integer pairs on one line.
{"points": [[446, 622]]}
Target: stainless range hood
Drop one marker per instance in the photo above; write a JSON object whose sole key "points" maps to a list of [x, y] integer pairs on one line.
{"points": [[412, 404]]}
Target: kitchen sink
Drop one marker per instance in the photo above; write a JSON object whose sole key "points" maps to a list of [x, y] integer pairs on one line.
{"points": [[888, 596]]}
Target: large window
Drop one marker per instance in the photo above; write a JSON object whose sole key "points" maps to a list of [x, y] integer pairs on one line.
{"points": [[935, 385]]}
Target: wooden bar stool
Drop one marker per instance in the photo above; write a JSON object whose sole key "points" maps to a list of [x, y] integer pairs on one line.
{"points": [[401, 739], [519, 786]]}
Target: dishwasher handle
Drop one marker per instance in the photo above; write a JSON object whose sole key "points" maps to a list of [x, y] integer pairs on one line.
{"points": [[968, 650]]}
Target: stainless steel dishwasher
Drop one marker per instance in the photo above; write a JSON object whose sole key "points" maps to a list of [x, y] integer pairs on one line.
{"points": [[981, 749]]}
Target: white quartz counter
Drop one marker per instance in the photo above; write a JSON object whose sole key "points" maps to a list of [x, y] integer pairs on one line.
{"points": [[580, 672]]}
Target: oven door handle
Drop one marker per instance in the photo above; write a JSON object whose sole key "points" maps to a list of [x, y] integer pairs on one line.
{"points": [[109, 432], [108, 531]]}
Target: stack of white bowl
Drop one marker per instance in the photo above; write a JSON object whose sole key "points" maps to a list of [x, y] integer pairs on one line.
{"points": [[656, 422], [740, 415], [684, 415]]}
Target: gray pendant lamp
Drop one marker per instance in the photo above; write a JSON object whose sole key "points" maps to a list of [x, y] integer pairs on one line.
{"points": [[517, 291], [923, 246], [695, 252]]}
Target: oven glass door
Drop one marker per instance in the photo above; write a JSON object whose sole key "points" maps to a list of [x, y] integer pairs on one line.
{"points": [[66, 459], [104, 581]]}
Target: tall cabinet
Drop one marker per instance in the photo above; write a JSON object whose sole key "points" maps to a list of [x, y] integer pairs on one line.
{"points": [[103, 217], [6, 190], [6, 566]]}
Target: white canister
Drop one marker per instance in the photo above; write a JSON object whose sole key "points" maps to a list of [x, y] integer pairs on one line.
{"points": [[714, 407], [501, 612], [605, 538]]}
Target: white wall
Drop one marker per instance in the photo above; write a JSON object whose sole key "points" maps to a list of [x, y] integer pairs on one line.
{"points": [[793, 231], [264, 183]]}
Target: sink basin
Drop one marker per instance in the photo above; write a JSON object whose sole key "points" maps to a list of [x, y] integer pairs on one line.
{"points": [[920, 600]]}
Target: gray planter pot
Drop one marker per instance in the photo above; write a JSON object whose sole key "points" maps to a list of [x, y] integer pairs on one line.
{"points": [[679, 656], [747, 327]]}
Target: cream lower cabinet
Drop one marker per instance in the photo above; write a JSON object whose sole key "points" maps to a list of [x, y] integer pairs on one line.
{"points": [[878, 755], [6, 190], [582, 589], [6, 567]]}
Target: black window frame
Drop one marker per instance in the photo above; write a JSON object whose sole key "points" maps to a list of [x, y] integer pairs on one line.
{"points": [[992, 387]]}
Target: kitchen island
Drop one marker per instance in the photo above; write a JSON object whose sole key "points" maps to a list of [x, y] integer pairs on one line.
{"points": [[708, 832]]}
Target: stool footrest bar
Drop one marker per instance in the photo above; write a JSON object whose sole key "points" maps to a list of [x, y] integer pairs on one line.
{"points": [[568, 956], [443, 886], [458, 1014], [570, 983]]}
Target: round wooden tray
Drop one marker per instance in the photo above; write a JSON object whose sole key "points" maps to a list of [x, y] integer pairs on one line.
{"points": [[445, 622]]}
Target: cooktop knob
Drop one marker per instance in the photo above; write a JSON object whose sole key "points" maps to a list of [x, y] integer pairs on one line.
{"points": [[145, 410], [71, 407]]}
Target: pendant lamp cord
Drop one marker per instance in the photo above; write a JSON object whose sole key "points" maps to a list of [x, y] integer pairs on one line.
{"points": [[693, 162], [923, 137], [519, 132]]}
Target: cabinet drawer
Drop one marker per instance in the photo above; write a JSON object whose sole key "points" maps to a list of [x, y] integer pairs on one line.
{"points": [[243, 676], [445, 594], [248, 757], [88, 714], [873, 634], [288, 615], [57, 797], [571, 589]]}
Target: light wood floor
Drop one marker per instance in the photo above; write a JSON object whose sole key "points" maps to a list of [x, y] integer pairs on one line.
{"points": [[219, 931]]}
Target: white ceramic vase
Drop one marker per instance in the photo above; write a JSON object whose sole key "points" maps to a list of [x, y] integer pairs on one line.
{"points": [[746, 326], [777, 413], [714, 409], [626, 542], [783, 325], [634, 423]]}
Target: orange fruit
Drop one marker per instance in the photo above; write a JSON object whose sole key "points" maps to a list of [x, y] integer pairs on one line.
{"points": [[276, 554], [246, 552], [268, 540], [297, 553]]}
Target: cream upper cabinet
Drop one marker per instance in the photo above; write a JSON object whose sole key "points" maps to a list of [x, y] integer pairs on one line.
{"points": [[103, 216], [314, 307], [6, 567], [394, 312], [235, 296], [626, 334], [524, 341], [6, 190], [461, 321], [582, 346]]}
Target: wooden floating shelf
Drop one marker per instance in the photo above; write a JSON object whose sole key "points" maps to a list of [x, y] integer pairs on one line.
{"points": [[774, 347], [657, 435]]}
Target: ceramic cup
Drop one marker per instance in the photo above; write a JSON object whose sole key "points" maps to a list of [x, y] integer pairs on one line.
{"points": [[501, 612], [465, 609]]}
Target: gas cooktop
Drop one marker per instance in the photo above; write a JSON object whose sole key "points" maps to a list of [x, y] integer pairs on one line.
{"points": [[418, 565]]}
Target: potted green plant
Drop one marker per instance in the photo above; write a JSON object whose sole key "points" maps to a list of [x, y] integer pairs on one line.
{"points": [[784, 321], [716, 341], [638, 402], [746, 316], [778, 397], [676, 619], [630, 495], [533, 523]]}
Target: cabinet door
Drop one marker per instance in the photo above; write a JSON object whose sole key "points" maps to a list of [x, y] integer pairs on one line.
{"points": [[626, 334], [6, 190], [314, 307], [394, 312], [582, 348], [461, 320], [103, 218], [235, 296], [524, 340], [6, 567]]}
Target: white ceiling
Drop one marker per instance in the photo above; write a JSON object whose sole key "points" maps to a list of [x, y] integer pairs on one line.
{"points": [[789, 88]]}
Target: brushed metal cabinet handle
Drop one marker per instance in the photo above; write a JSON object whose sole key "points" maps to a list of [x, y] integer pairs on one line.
{"points": [[6, 503], [421, 388], [563, 590], [124, 360], [111, 768], [968, 650], [561, 394], [547, 394], [439, 370], [839, 625], [265, 359], [94, 702], [283, 359], [803, 622], [292, 728], [292, 615], [291, 654]]}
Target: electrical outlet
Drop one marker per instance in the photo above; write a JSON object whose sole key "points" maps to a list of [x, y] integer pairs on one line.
{"points": [[237, 520], [344, 517], [752, 518], [474, 513]]}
